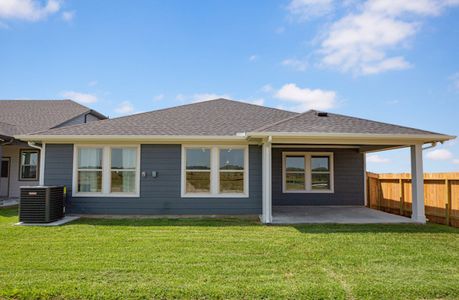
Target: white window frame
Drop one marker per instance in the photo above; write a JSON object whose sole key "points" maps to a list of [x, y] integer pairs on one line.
{"points": [[308, 172], [215, 172], [106, 171], [37, 176]]}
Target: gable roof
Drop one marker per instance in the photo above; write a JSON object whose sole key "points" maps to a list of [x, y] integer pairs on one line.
{"points": [[222, 118], [28, 116]]}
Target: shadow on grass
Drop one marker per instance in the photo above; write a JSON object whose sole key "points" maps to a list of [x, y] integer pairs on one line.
{"points": [[8, 212], [240, 222]]}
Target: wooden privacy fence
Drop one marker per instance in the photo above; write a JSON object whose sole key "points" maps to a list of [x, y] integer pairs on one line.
{"points": [[392, 193]]}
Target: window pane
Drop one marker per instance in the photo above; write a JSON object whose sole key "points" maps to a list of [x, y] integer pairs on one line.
{"points": [[29, 158], [124, 158], [231, 159], [294, 182], [294, 163], [320, 164], [123, 181], [231, 182], [90, 181], [90, 158], [29, 172], [197, 182], [198, 159], [320, 181]]}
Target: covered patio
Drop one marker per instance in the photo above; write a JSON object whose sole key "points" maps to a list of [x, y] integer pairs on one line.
{"points": [[334, 215]]}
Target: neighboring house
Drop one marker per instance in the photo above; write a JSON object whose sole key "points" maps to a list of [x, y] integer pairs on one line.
{"points": [[221, 157], [20, 162]]}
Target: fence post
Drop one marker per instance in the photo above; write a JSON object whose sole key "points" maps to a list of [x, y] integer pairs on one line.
{"points": [[448, 202], [402, 195]]}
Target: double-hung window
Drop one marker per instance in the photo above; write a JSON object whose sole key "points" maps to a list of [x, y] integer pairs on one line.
{"points": [[215, 171], [106, 171], [307, 172], [28, 169]]}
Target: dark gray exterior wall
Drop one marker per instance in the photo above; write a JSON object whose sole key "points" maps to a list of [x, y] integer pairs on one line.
{"points": [[161, 195], [348, 180]]}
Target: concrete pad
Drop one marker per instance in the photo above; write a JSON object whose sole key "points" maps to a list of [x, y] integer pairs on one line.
{"points": [[334, 215], [60, 222]]}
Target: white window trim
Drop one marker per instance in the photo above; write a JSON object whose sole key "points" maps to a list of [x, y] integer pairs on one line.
{"points": [[106, 172], [37, 176], [215, 172], [308, 172]]}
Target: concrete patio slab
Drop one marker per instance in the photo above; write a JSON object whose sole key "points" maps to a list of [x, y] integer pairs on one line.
{"points": [[334, 215], [60, 222]]}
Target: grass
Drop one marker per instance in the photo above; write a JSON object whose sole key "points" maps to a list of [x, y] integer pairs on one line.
{"points": [[229, 258]]}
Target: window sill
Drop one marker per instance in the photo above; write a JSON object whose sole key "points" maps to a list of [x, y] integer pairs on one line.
{"points": [[197, 195], [310, 192], [100, 195]]}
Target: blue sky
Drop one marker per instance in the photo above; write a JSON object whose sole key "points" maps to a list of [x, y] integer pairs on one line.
{"points": [[391, 61]]}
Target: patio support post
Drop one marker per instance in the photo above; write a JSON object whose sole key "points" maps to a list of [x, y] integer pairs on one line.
{"points": [[267, 191], [417, 184]]}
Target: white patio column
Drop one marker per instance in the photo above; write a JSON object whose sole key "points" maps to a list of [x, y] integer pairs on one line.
{"points": [[417, 184], [266, 185]]}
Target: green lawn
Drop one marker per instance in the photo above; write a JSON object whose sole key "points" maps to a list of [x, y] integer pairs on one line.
{"points": [[230, 258]]}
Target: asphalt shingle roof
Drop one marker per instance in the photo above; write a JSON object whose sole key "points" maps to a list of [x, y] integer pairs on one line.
{"points": [[215, 117], [312, 122], [28, 116], [222, 117]]}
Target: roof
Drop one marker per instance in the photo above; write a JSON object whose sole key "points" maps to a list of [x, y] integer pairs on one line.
{"points": [[28, 116], [312, 122], [220, 117], [228, 118]]}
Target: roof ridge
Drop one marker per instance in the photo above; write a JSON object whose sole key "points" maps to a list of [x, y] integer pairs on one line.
{"points": [[282, 121]]}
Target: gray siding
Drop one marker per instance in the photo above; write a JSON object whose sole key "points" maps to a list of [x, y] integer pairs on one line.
{"points": [[159, 195], [80, 120], [348, 179]]}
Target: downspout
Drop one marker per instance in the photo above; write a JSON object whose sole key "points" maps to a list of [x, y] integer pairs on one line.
{"points": [[41, 162]]}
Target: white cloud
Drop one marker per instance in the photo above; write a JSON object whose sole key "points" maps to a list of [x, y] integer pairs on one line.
{"points": [[374, 158], [267, 88], [456, 161], [82, 98], [207, 96], [68, 16], [259, 101], [455, 80], [92, 83], [439, 154], [29, 10], [362, 41], [124, 108], [303, 10], [296, 64], [158, 97], [253, 57], [304, 99]]}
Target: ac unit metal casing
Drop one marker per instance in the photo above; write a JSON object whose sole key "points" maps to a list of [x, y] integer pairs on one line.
{"points": [[41, 204]]}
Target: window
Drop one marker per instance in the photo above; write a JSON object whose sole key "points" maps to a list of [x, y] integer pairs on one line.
{"points": [[231, 171], [307, 172], [217, 171], [198, 170], [28, 169], [90, 170], [106, 171], [123, 170]]}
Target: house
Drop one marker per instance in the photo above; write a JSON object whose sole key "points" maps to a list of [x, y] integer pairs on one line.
{"points": [[20, 162], [221, 157]]}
